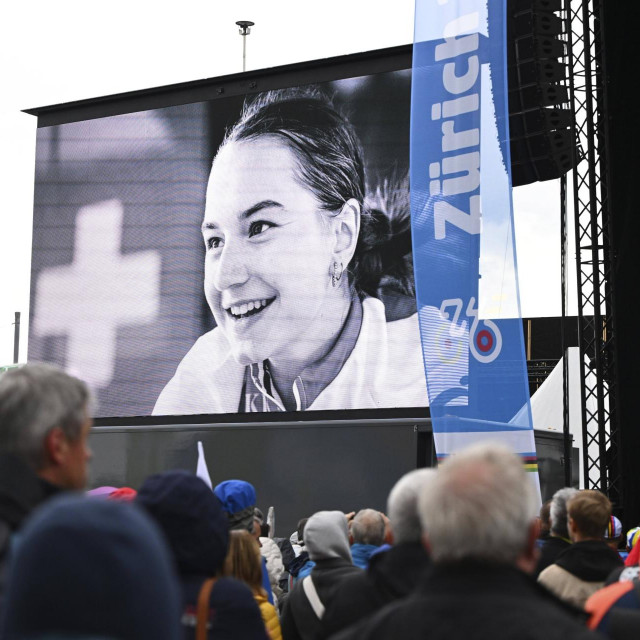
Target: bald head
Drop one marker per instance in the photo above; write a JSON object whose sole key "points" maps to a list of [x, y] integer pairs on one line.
{"points": [[368, 527]]}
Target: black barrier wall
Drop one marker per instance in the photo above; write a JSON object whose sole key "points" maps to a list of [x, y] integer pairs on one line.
{"points": [[299, 467]]}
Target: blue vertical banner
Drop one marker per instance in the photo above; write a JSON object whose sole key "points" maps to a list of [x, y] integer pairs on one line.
{"points": [[462, 225]]}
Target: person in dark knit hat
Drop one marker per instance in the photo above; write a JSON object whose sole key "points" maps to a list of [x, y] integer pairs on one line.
{"points": [[91, 568], [197, 530]]}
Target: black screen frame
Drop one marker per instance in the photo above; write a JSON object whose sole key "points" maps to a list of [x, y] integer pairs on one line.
{"points": [[240, 84], [237, 84]]}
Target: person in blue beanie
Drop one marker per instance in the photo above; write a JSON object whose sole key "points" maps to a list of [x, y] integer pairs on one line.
{"points": [[197, 529], [91, 568], [238, 499]]}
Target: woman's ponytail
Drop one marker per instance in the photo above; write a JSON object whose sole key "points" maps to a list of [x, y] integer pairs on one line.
{"points": [[382, 262]]}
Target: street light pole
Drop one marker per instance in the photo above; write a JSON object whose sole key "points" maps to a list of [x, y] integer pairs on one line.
{"points": [[16, 338], [245, 30]]}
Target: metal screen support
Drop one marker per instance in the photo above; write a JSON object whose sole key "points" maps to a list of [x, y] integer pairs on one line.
{"points": [[567, 440], [594, 257]]}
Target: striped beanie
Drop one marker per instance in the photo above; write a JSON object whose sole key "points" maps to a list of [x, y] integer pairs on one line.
{"points": [[632, 537], [614, 529]]}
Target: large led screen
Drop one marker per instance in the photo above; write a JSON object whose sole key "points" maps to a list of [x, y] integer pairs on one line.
{"points": [[247, 254]]}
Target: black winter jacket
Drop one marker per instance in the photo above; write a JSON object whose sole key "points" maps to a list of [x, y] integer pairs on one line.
{"points": [[21, 491], [551, 548], [391, 575], [475, 601]]}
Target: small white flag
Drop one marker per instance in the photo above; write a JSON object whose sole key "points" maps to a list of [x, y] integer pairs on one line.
{"points": [[271, 521], [201, 471]]}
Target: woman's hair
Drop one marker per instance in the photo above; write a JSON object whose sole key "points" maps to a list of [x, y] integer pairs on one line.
{"points": [[330, 164], [243, 560]]}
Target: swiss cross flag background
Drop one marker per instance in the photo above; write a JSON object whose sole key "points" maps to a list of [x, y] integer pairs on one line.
{"points": [[137, 182]]}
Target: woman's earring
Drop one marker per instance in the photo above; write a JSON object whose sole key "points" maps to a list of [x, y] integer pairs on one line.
{"points": [[337, 274]]}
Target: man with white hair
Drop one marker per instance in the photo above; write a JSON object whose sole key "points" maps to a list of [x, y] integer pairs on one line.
{"points": [[44, 425], [391, 574], [558, 539], [479, 520]]}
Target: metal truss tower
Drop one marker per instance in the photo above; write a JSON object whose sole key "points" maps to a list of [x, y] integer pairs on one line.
{"points": [[594, 251]]}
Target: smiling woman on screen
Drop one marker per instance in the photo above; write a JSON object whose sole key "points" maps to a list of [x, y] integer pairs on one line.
{"points": [[298, 264]]}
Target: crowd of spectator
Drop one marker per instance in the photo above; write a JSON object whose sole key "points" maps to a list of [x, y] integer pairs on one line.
{"points": [[460, 552]]}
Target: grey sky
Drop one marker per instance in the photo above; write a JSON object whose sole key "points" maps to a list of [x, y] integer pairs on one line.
{"points": [[52, 53]]}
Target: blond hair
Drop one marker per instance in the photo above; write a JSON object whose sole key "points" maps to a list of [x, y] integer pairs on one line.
{"points": [[243, 560]]}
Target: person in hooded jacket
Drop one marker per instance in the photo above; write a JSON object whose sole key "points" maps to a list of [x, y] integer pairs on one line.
{"points": [[391, 574], [91, 569], [326, 539], [197, 530]]}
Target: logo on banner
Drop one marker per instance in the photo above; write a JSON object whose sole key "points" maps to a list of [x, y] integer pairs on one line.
{"points": [[485, 339]]}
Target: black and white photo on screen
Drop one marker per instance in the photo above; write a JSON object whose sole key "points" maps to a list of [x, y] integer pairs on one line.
{"points": [[290, 206]]}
